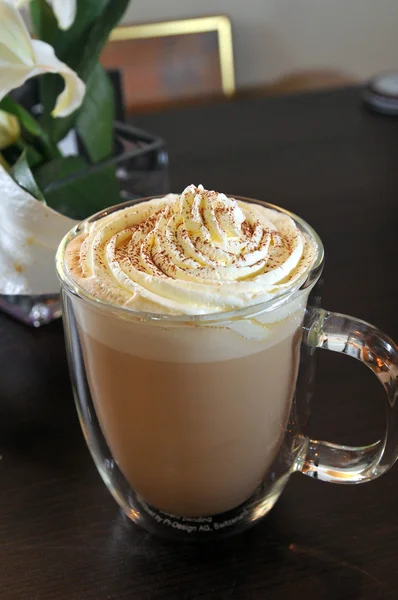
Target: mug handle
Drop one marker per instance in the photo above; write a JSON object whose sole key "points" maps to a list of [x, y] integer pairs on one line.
{"points": [[356, 338]]}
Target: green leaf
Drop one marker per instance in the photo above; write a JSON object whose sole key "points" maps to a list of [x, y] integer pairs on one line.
{"points": [[79, 47], [76, 191], [25, 118], [43, 20], [24, 177], [50, 87], [30, 125], [96, 116], [33, 157], [67, 45], [91, 49], [55, 171]]}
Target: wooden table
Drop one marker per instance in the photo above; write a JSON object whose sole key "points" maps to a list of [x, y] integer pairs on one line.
{"points": [[62, 537]]}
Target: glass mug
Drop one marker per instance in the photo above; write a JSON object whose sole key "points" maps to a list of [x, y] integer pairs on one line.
{"points": [[194, 421]]}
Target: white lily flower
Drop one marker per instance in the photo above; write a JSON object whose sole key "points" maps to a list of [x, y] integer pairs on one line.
{"points": [[22, 58], [9, 129], [30, 233], [64, 11]]}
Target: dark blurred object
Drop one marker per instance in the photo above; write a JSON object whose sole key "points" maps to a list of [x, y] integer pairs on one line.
{"points": [[381, 94], [116, 79], [142, 162], [172, 62], [305, 80]]}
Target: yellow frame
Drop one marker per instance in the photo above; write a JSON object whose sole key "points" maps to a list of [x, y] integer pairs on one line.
{"points": [[219, 23]]}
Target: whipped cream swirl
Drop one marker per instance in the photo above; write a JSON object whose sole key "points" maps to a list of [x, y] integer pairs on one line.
{"points": [[197, 253]]}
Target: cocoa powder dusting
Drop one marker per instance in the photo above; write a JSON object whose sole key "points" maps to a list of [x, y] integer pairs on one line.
{"points": [[160, 245]]}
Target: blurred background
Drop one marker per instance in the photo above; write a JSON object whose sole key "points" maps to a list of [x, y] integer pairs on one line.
{"points": [[289, 45]]}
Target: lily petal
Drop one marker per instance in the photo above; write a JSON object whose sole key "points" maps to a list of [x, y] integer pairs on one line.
{"points": [[30, 233], [22, 58], [64, 11], [73, 93], [14, 35]]}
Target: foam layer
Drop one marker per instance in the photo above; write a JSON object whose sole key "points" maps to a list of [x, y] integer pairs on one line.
{"points": [[190, 343]]}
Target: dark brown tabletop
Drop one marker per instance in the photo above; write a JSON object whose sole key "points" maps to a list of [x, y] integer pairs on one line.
{"points": [[62, 536]]}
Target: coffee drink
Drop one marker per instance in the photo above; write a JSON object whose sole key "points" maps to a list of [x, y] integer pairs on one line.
{"points": [[193, 409]]}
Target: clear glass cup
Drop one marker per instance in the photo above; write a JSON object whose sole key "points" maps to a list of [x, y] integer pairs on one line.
{"points": [[195, 422]]}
